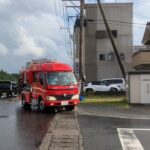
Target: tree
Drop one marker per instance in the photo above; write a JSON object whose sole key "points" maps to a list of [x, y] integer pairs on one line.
{"points": [[6, 76]]}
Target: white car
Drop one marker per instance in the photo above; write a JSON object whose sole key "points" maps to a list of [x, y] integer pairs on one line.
{"points": [[106, 85]]}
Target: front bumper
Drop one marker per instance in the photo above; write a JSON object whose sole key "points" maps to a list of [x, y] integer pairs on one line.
{"points": [[61, 103]]}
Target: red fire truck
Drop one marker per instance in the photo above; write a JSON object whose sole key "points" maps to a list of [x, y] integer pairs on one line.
{"points": [[48, 84]]}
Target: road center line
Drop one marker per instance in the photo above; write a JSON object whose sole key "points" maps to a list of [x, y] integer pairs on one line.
{"points": [[129, 140]]}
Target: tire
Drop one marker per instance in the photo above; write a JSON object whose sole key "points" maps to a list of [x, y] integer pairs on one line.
{"points": [[113, 90], [89, 91], [69, 108], [41, 105], [7, 95], [0, 95], [11, 94], [25, 105]]}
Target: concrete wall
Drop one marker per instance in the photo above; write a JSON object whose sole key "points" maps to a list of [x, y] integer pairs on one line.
{"points": [[94, 68], [90, 46], [134, 89], [139, 87]]}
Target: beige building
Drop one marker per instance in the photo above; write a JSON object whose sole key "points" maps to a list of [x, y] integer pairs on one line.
{"points": [[141, 57], [99, 60], [139, 79]]}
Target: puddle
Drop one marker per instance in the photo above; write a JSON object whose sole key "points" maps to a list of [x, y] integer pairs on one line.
{"points": [[3, 116]]}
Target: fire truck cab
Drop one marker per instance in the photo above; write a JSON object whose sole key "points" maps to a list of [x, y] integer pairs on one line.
{"points": [[48, 84]]}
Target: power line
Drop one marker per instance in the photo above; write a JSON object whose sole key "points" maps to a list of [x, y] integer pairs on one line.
{"points": [[123, 22], [57, 14], [137, 14], [67, 31], [137, 25]]}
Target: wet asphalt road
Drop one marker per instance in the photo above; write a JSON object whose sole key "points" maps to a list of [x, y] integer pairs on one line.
{"points": [[24, 130], [100, 133], [20, 129]]}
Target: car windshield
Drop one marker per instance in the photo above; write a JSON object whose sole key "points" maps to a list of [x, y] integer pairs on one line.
{"points": [[61, 78]]}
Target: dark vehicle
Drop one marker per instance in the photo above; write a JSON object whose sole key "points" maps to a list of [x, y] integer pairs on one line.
{"points": [[8, 87]]}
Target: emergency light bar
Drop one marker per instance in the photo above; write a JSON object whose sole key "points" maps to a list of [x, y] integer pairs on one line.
{"points": [[44, 60]]}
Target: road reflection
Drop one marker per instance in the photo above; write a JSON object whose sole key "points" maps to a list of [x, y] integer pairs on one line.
{"points": [[20, 129]]}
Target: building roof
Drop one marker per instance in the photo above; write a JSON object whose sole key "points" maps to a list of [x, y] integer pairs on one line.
{"points": [[139, 72], [108, 4], [141, 51], [146, 37], [138, 48]]}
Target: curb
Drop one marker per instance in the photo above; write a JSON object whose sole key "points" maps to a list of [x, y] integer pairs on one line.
{"points": [[111, 115], [78, 127], [48, 137]]}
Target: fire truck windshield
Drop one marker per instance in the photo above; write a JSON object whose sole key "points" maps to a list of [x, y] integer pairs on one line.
{"points": [[61, 78]]}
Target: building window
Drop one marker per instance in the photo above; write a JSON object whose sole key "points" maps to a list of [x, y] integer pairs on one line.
{"points": [[114, 33], [96, 83], [102, 57], [122, 56], [102, 34], [111, 56]]}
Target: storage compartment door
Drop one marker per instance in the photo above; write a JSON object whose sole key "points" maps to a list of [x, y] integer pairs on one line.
{"points": [[145, 89]]}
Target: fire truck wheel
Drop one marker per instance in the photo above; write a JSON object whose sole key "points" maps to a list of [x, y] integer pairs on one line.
{"points": [[70, 108], [41, 105], [25, 105]]}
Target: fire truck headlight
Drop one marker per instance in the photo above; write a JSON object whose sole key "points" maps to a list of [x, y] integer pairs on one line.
{"points": [[75, 97], [51, 98]]}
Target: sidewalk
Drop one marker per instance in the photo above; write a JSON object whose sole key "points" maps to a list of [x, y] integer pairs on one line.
{"points": [[63, 134], [133, 112]]}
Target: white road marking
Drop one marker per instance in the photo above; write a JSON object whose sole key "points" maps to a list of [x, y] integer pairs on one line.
{"points": [[135, 129], [111, 115], [129, 140]]}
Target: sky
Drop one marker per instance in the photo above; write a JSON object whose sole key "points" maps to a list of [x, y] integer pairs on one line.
{"points": [[32, 29]]}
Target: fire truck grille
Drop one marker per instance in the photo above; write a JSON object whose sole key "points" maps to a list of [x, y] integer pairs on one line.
{"points": [[63, 97]]}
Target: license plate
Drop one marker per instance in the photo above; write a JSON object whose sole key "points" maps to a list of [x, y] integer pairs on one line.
{"points": [[64, 103]]}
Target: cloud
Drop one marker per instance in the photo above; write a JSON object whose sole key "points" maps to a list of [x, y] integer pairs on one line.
{"points": [[3, 50], [4, 2], [27, 45], [30, 29]]}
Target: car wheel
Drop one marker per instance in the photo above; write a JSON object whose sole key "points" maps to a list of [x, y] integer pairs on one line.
{"points": [[41, 105], [7, 95], [70, 108], [11, 94], [89, 91], [113, 90]]}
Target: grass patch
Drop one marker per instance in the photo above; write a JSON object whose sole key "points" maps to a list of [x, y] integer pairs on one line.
{"points": [[119, 101]]}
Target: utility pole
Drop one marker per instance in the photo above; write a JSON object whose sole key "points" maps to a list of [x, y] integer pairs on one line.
{"points": [[112, 41], [81, 40], [77, 9], [81, 45]]}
